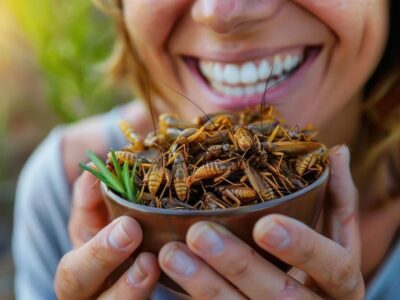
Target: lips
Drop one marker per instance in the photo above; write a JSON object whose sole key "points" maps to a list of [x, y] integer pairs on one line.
{"points": [[236, 84]]}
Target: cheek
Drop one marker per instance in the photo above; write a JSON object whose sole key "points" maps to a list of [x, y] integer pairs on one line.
{"points": [[354, 23], [150, 22], [360, 30]]}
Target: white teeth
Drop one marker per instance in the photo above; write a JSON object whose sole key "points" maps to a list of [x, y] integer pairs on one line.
{"points": [[250, 90], [278, 65], [260, 88], [263, 70], [207, 69], [238, 80], [231, 74], [287, 64], [237, 92], [218, 73], [296, 60], [248, 73], [218, 87]]}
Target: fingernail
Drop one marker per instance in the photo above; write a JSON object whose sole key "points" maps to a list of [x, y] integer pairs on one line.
{"points": [[92, 165], [136, 274], [208, 241], [180, 263], [85, 196], [87, 175], [122, 234], [275, 236], [341, 151], [345, 151], [335, 149]]}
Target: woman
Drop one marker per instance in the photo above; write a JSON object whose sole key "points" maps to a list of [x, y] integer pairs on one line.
{"points": [[330, 56]]}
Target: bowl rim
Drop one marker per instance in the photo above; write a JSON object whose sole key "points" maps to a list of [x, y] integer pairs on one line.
{"points": [[226, 211]]}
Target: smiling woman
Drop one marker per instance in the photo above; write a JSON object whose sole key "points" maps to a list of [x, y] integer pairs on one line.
{"points": [[326, 60]]}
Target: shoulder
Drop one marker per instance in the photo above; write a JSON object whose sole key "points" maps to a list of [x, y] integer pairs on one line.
{"points": [[94, 134], [47, 176]]}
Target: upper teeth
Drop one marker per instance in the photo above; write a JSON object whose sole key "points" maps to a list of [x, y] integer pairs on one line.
{"points": [[249, 72]]}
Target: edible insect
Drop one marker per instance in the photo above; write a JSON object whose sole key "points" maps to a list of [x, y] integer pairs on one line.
{"points": [[180, 177]]}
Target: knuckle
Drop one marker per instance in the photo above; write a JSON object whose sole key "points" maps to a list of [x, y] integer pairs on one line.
{"points": [[292, 291], [242, 267], [359, 293], [211, 292], [66, 281], [99, 257], [351, 205], [308, 252], [354, 288], [292, 295], [343, 275]]}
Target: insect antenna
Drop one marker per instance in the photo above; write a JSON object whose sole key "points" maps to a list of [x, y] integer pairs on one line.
{"points": [[199, 108], [149, 103], [263, 98]]}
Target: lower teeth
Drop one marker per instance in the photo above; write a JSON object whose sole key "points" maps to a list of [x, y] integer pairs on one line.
{"points": [[247, 90]]}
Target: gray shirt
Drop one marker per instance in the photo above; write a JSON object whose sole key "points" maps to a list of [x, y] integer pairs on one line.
{"points": [[42, 211]]}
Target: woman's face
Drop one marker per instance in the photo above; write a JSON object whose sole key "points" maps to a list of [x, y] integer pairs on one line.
{"points": [[318, 54]]}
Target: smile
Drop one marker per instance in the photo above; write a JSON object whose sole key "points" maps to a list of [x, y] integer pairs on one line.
{"points": [[242, 83], [249, 78]]}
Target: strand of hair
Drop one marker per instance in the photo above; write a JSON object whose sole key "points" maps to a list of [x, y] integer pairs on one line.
{"points": [[149, 103]]}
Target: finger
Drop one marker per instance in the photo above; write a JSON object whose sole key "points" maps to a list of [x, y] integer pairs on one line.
{"points": [[193, 275], [328, 263], [82, 271], [88, 213], [299, 275], [239, 264], [342, 204], [138, 282]]}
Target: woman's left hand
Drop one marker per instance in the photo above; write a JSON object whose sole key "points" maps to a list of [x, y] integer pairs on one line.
{"points": [[214, 264]]}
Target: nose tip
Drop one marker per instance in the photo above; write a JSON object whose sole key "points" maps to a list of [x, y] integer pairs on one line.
{"points": [[216, 14], [223, 16]]}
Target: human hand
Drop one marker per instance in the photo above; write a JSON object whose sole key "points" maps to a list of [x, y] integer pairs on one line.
{"points": [[84, 273], [215, 264]]}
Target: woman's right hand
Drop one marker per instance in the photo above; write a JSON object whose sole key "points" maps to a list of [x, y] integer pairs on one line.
{"points": [[83, 273]]}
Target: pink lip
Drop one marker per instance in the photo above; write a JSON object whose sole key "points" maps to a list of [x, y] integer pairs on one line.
{"points": [[274, 95]]}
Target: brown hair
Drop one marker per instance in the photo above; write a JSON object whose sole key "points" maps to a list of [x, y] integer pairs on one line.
{"points": [[124, 64], [381, 136], [381, 109]]}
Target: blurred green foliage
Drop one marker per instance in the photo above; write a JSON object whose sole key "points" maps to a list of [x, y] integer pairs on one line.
{"points": [[70, 39], [50, 57]]}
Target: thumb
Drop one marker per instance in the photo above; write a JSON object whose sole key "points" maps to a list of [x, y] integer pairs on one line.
{"points": [[88, 214], [343, 201]]}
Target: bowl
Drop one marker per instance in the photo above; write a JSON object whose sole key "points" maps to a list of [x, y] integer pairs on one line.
{"points": [[161, 226]]}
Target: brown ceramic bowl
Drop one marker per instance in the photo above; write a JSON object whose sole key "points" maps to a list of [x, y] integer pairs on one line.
{"points": [[161, 226]]}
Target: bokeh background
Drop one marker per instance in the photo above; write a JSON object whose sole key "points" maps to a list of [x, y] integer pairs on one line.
{"points": [[52, 54]]}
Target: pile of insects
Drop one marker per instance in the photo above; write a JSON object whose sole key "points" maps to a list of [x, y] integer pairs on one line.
{"points": [[220, 160]]}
